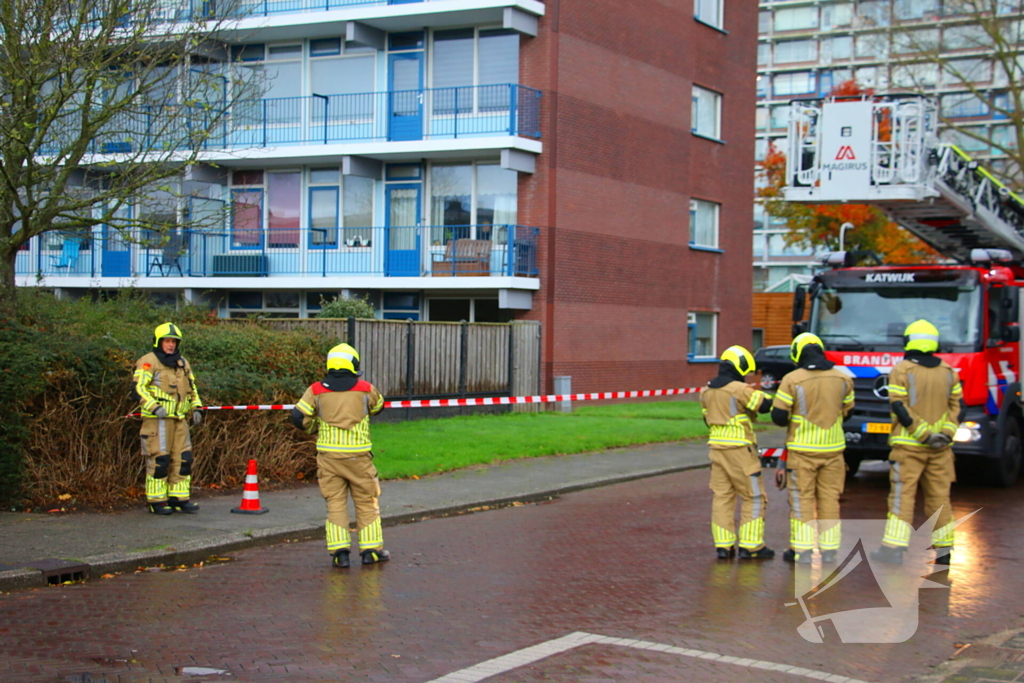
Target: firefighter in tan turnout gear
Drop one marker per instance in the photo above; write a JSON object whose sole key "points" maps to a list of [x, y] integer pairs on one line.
{"points": [[338, 408], [925, 398], [729, 406], [813, 401], [167, 390]]}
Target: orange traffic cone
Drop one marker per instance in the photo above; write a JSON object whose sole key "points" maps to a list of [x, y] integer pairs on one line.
{"points": [[250, 494]]}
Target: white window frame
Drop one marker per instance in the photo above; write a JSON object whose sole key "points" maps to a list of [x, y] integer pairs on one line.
{"points": [[710, 12], [691, 350], [701, 98], [716, 209]]}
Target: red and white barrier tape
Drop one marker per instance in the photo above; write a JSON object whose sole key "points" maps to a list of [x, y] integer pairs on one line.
{"points": [[494, 401]]}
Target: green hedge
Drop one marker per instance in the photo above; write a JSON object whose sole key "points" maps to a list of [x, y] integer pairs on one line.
{"points": [[70, 363]]}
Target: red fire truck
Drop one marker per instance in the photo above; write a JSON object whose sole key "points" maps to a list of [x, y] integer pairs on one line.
{"points": [[886, 153]]}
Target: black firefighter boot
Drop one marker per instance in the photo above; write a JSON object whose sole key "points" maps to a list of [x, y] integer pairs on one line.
{"points": [[725, 553], [183, 505], [888, 555], [943, 555], [340, 558], [375, 555], [801, 557], [762, 553], [161, 508]]}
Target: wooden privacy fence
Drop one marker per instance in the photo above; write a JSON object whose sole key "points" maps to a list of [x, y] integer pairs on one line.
{"points": [[403, 358]]}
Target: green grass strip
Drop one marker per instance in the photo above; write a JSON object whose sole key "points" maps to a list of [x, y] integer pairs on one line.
{"points": [[423, 447]]}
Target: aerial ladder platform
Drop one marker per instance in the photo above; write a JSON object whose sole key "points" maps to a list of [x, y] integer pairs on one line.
{"points": [[886, 152]]}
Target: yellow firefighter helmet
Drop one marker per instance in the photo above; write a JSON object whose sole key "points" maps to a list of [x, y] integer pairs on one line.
{"points": [[802, 341], [165, 331], [921, 335], [739, 358], [343, 357]]}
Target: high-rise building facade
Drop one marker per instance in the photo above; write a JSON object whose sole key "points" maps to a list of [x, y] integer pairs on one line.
{"points": [[807, 47], [584, 163]]}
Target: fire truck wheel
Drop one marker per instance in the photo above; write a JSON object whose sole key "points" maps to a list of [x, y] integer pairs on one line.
{"points": [[1004, 470], [768, 381]]}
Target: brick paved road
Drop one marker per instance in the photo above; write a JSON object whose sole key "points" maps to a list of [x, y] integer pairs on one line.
{"points": [[627, 561]]}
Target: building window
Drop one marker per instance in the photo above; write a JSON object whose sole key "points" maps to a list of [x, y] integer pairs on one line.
{"points": [[796, 18], [472, 201], [762, 84], [797, 83], [702, 332], [963, 105], [247, 210], [401, 306], [464, 58], [764, 22], [965, 37], [836, 15], [915, 9], [836, 48], [918, 75], [709, 12], [336, 204], [704, 223], [791, 51], [706, 112], [764, 51]]}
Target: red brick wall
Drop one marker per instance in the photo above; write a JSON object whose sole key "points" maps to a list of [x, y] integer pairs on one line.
{"points": [[613, 185]]}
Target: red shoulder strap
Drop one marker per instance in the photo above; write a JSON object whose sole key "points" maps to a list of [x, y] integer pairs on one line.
{"points": [[318, 388], [363, 385]]}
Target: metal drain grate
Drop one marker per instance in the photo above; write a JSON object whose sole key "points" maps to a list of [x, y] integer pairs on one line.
{"points": [[56, 572]]}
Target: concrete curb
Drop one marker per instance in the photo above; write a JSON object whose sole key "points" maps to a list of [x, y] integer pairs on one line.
{"points": [[191, 552]]}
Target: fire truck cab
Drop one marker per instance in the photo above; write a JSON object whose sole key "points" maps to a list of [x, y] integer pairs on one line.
{"points": [[886, 153]]}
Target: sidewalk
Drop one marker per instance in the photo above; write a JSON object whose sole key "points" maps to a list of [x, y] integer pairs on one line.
{"points": [[33, 546]]}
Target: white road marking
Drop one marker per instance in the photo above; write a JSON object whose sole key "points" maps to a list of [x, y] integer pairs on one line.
{"points": [[529, 655]]}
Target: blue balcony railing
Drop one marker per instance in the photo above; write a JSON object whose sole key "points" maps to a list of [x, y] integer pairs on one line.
{"points": [[422, 251], [434, 113]]}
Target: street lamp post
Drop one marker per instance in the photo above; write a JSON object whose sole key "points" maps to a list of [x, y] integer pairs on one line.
{"points": [[842, 233]]}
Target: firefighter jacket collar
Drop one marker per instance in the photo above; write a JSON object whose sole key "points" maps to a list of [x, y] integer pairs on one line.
{"points": [[928, 360], [726, 373], [339, 380], [171, 360], [813, 358]]}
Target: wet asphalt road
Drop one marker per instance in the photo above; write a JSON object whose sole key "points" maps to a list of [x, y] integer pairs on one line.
{"points": [[630, 561]]}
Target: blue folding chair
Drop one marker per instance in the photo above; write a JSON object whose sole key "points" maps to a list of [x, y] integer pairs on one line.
{"points": [[68, 254]]}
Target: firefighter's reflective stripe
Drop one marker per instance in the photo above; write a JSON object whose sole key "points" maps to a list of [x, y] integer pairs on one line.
{"points": [[808, 436], [752, 534], [305, 408], [943, 536], [783, 397], [180, 489], [756, 399], [337, 537], [156, 489], [801, 535], [723, 537], [897, 532], [733, 433], [371, 536], [897, 390], [830, 539], [152, 396], [337, 440]]}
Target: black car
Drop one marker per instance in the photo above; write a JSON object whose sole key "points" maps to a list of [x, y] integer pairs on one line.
{"points": [[773, 363]]}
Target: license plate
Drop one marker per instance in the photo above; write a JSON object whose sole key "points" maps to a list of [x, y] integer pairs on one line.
{"points": [[877, 427]]}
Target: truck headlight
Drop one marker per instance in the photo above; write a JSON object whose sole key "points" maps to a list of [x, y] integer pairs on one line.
{"points": [[967, 431]]}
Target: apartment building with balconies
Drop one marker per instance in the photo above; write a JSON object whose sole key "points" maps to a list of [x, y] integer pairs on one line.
{"points": [[807, 47], [576, 162]]}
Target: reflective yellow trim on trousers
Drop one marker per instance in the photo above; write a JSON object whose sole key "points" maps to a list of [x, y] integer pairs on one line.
{"points": [[337, 537], [752, 534], [943, 536], [801, 535], [897, 532], [723, 537], [156, 490], [808, 436], [181, 489], [337, 440], [830, 539], [371, 536]]}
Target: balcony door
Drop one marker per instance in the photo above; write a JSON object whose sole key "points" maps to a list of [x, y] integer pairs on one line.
{"points": [[402, 255], [405, 96], [117, 254]]}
